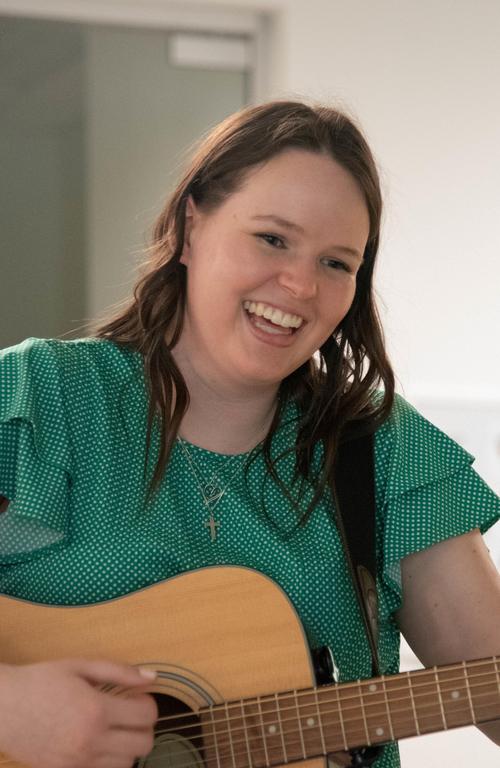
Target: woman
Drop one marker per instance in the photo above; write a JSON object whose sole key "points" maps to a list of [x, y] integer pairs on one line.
{"points": [[200, 427]]}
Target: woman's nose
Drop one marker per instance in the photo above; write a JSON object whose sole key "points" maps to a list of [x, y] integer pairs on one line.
{"points": [[299, 279]]}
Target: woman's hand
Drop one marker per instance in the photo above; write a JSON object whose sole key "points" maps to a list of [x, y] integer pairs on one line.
{"points": [[52, 714]]}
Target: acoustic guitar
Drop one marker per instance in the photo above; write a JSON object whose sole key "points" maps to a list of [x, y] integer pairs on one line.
{"points": [[236, 685]]}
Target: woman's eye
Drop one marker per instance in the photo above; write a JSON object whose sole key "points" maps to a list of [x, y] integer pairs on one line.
{"points": [[273, 240], [336, 264]]}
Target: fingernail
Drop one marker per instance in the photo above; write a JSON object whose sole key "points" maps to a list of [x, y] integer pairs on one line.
{"points": [[149, 674]]}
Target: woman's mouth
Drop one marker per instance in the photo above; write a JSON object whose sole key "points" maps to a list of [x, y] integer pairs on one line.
{"points": [[271, 320]]}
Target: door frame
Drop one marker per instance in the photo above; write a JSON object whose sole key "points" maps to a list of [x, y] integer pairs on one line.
{"points": [[251, 24]]}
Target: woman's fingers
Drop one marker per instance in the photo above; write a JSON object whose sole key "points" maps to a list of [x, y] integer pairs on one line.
{"points": [[91, 723], [126, 746], [137, 712]]}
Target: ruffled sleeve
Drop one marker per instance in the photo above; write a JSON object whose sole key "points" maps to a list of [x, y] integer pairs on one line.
{"points": [[430, 490], [35, 451]]}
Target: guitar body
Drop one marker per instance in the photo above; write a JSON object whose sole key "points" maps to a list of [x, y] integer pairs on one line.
{"points": [[213, 635]]}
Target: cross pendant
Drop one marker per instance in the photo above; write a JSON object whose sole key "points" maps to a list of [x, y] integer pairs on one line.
{"points": [[213, 524]]}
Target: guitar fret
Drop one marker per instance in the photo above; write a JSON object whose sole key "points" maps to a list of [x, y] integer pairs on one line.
{"points": [[473, 714], [264, 742], [245, 731], [302, 744], [483, 683], [279, 714], [363, 714], [386, 725], [445, 724], [341, 720], [495, 662], [410, 687], [428, 702], [275, 740], [209, 714], [320, 724], [310, 723], [454, 699], [230, 735], [374, 711], [497, 677], [280, 726], [389, 720]]}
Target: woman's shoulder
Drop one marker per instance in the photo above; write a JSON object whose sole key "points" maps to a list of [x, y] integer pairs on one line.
{"points": [[85, 348], [70, 357], [411, 451], [50, 371], [405, 422]]}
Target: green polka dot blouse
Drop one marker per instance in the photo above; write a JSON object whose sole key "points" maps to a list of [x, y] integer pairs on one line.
{"points": [[72, 450]]}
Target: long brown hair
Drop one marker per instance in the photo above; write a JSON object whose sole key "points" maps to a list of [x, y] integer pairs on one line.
{"points": [[335, 398]]}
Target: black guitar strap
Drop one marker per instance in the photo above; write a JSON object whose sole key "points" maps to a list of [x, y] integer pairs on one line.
{"points": [[354, 494]]}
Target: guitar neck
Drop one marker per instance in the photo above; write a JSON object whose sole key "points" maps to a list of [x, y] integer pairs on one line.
{"points": [[298, 725]]}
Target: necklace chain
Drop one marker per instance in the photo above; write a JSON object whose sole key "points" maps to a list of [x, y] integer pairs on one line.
{"points": [[213, 490]]}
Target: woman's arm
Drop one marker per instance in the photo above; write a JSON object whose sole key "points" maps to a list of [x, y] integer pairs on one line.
{"points": [[451, 605]]}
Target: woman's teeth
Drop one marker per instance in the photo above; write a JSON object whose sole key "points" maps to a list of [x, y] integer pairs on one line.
{"points": [[275, 316]]}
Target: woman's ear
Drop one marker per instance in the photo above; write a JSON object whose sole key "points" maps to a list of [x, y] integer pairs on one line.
{"points": [[190, 216]]}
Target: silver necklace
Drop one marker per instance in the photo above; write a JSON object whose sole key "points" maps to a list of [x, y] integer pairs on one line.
{"points": [[213, 490]]}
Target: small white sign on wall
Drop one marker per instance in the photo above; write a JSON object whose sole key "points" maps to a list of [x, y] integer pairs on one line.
{"points": [[210, 51]]}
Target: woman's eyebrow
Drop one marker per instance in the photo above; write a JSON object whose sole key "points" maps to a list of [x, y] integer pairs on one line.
{"points": [[280, 221], [271, 217]]}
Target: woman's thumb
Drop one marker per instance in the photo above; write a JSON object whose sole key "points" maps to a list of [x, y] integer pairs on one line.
{"points": [[103, 672]]}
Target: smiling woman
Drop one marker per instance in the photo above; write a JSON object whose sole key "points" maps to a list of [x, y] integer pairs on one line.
{"points": [[201, 427], [293, 269]]}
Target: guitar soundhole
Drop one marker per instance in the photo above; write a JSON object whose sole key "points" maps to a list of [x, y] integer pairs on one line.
{"points": [[178, 737]]}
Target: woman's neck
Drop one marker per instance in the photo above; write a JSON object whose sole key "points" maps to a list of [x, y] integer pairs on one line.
{"points": [[225, 418], [226, 427]]}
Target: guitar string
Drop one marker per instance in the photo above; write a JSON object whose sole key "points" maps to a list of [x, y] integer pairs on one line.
{"points": [[232, 743], [239, 757], [262, 737], [338, 701], [406, 686], [339, 706], [290, 743], [234, 758], [457, 703], [337, 709]]}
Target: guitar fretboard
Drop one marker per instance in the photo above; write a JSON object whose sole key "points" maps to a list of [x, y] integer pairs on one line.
{"points": [[298, 725]]}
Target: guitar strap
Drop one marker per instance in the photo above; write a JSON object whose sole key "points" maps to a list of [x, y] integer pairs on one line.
{"points": [[354, 496]]}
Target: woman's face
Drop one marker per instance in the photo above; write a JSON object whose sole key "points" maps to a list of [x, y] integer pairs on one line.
{"points": [[272, 271]]}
